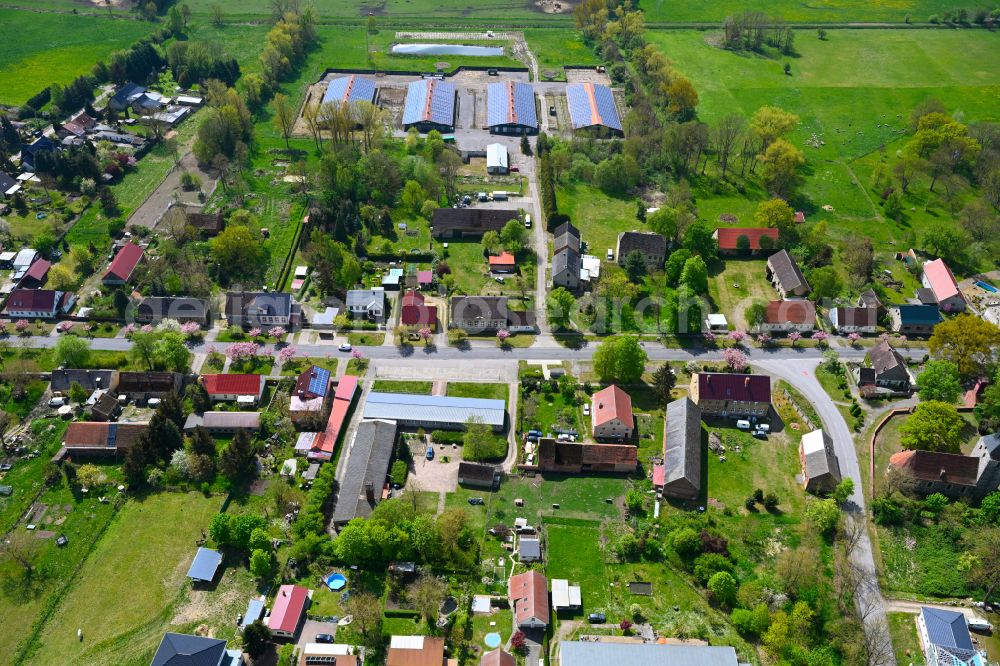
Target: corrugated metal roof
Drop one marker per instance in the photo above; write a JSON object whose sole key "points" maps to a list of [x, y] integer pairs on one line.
{"points": [[511, 103], [429, 100], [496, 155], [573, 653], [591, 104], [682, 443], [946, 628], [434, 408], [206, 563], [370, 454]]}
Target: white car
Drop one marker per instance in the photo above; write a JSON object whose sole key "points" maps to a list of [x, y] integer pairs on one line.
{"points": [[57, 402], [345, 347], [586, 409]]}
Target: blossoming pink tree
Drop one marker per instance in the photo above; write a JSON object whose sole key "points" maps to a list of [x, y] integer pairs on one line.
{"points": [[21, 326], [737, 337], [358, 354], [821, 338], [287, 353], [502, 336], [190, 328], [129, 330], [276, 332], [709, 338], [794, 337], [735, 359], [65, 327], [425, 334], [853, 338], [148, 328], [764, 339], [242, 351], [254, 332]]}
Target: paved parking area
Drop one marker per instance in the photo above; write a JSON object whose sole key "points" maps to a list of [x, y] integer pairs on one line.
{"points": [[435, 475], [309, 630]]}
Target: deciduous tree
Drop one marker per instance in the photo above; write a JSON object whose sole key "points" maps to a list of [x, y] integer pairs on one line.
{"points": [[939, 381], [620, 358], [969, 342], [933, 426]]}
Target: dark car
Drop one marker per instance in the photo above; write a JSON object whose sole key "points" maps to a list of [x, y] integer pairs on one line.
{"points": [[476, 501], [324, 638], [597, 618]]}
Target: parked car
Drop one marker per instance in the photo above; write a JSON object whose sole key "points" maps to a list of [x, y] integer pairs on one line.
{"points": [[499, 278], [764, 426], [586, 409], [743, 424], [430, 453], [324, 638], [597, 618], [477, 501], [57, 402], [759, 434], [611, 254], [345, 347]]}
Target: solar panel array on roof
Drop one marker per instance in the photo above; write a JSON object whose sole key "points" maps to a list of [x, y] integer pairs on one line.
{"points": [[429, 100], [511, 103], [592, 105], [350, 89], [319, 381]]}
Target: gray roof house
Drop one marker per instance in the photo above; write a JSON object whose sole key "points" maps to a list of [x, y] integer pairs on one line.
{"points": [[786, 276], [90, 380], [529, 549], [945, 639], [188, 650], [587, 653], [566, 235], [262, 309], [820, 468], [482, 314], [223, 422], [652, 247], [366, 471], [478, 475], [682, 450], [888, 369], [566, 268], [154, 309], [367, 303]]}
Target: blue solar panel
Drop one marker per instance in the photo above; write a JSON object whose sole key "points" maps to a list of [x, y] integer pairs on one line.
{"points": [[441, 109], [355, 88], [511, 103], [582, 107], [319, 382]]}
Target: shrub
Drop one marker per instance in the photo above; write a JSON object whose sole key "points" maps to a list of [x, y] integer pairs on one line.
{"points": [[723, 587], [399, 472], [709, 564], [685, 542]]}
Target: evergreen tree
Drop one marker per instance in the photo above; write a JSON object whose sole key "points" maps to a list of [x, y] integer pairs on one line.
{"points": [[664, 381], [202, 442], [236, 461]]}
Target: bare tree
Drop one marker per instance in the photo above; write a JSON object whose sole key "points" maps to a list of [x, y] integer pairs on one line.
{"points": [[366, 609], [725, 136], [428, 593], [310, 114]]}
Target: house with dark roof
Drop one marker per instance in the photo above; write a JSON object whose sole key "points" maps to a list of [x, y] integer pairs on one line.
{"points": [[937, 277], [529, 549], [820, 467], [566, 268], [188, 650], [367, 304], [854, 320], [8, 186], [592, 109], [510, 108], [141, 386], [125, 95], [745, 240], [575, 458], [483, 314], [869, 299], [611, 414], [364, 484], [234, 388], [104, 406], [469, 222], [183, 309], [652, 247], [414, 312], [91, 380], [680, 473], [945, 639], [430, 105], [30, 153], [786, 276], [885, 369], [566, 236], [731, 395], [123, 266], [478, 475], [788, 316], [91, 439], [918, 320], [207, 224], [262, 309], [312, 387], [38, 303], [528, 593]]}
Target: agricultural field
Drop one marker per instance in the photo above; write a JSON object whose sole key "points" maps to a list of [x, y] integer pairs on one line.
{"points": [[853, 92], [43, 48]]}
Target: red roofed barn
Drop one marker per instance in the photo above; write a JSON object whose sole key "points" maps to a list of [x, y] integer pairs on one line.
{"points": [[123, 265], [612, 414], [529, 597], [729, 239], [732, 395]]}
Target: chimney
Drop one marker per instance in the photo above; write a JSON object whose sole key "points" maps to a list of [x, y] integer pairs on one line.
{"points": [[370, 492]]}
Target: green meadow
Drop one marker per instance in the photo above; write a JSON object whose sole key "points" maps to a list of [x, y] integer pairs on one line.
{"points": [[43, 48]]}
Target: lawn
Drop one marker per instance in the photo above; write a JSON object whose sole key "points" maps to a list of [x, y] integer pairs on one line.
{"points": [[478, 390], [363, 339], [736, 283], [921, 560], [120, 568], [470, 271], [399, 386], [854, 91], [26, 476], [296, 366], [546, 411], [41, 49], [835, 11], [256, 365], [556, 48], [599, 218], [905, 641], [573, 552], [581, 497], [432, 11]]}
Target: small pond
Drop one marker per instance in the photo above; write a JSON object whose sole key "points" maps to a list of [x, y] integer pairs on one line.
{"points": [[446, 49]]}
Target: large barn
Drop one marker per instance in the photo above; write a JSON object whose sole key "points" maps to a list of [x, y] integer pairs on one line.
{"points": [[592, 108], [351, 89], [510, 108], [430, 105]]}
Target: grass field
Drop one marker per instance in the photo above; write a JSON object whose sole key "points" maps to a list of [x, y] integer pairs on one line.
{"points": [[477, 390], [732, 300], [166, 525], [905, 641], [399, 386], [578, 497], [573, 552], [599, 218], [40, 49], [854, 91]]}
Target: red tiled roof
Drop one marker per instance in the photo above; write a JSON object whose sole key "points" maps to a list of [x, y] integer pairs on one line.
{"points": [[502, 259], [611, 403], [800, 216], [289, 605], [232, 384], [419, 315], [936, 466], [659, 475], [326, 441], [38, 269], [529, 596], [42, 300], [941, 279], [790, 312], [92, 434], [125, 262], [412, 298], [729, 236], [497, 657], [727, 386]]}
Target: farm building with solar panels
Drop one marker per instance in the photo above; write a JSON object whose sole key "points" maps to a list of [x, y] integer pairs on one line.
{"points": [[430, 105], [510, 108], [351, 89], [592, 108]]}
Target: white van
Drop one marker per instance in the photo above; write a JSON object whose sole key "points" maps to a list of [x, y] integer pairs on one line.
{"points": [[764, 426], [980, 625], [743, 424], [527, 221], [611, 254]]}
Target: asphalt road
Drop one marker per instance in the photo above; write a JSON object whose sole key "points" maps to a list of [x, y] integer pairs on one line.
{"points": [[801, 373]]}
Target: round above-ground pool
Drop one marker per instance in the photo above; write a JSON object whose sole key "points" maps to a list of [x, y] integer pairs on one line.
{"points": [[492, 640], [336, 581]]}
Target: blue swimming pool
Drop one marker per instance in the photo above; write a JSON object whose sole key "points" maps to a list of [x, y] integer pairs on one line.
{"points": [[336, 581], [492, 640], [987, 286]]}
